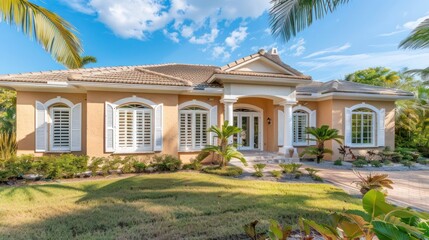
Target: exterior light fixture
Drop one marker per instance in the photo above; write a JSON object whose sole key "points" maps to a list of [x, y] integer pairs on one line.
{"points": [[269, 121]]}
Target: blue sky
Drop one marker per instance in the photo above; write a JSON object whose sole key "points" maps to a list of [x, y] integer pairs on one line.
{"points": [[364, 33]]}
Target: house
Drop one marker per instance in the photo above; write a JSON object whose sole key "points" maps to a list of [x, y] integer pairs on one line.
{"points": [[167, 108]]}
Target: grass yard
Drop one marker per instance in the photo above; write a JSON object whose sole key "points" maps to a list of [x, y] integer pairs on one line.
{"points": [[182, 205]]}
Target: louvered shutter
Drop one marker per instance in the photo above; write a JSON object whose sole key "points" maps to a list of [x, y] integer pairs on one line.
{"points": [[185, 140], [76, 128], [158, 128], [348, 126], [60, 129], [41, 128], [381, 133], [109, 127], [200, 130], [213, 122], [281, 127], [313, 123]]}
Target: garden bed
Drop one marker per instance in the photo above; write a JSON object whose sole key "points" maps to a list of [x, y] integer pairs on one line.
{"points": [[349, 166]]}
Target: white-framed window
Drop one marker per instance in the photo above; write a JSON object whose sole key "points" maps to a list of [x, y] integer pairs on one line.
{"points": [[134, 128], [363, 127], [60, 128], [194, 123], [133, 125], [300, 124]]}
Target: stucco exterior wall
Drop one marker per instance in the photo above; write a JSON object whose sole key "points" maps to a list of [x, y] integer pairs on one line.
{"points": [[25, 118]]}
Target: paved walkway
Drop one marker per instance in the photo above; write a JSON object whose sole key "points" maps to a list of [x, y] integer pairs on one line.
{"points": [[411, 188]]}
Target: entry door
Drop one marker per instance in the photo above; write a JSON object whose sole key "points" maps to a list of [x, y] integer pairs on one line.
{"points": [[249, 138]]}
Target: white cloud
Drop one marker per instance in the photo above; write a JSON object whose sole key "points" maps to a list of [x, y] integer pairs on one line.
{"points": [[221, 52], [205, 38], [267, 31], [344, 64], [298, 47], [173, 36], [138, 18], [236, 38], [411, 25], [330, 50]]}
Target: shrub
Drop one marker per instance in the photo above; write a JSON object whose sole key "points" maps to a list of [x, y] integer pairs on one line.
{"points": [[407, 163], [397, 157], [423, 161], [194, 165], [359, 163], [276, 173], [377, 182], [166, 163], [231, 171], [259, 167], [127, 164], [376, 163], [95, 165], [139, 167], [290, 167], [387, 162], [313, 174], [338, 162], [360, 157]]}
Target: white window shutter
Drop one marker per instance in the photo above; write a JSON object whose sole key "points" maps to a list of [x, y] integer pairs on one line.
{"points": [[158, 128], [313, 123], [348, 127], [381, 133], [76, 127], [213, 122], [41, 128], [281, 127], [109, 127]]}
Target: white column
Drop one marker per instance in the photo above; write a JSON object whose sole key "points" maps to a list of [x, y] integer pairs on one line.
{"points": [[288, 130], [229, 110]]}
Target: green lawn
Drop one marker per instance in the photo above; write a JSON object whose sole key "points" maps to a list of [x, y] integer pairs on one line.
{"points": [[183, 205]]}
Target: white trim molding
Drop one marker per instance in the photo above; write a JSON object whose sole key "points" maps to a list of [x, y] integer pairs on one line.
{"points": [[135, 99]]}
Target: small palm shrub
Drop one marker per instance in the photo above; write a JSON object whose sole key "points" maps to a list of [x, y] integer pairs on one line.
{"points": [[276, 173], [290, 168], [376, 163], [320, 136], [166, 163], [338, 162], [258, 169], [313, 174], [377, 182], [359, 163]]}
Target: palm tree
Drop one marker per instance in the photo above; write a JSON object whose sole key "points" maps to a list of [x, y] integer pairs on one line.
{"points": [[225, 149], [87, 60], [320, 136], [55, 34], [419, 37], [288, 17]]}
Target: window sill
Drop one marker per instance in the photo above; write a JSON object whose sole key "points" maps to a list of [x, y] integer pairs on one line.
{"points": [[190, 150], [131, 152], [364, 146]]}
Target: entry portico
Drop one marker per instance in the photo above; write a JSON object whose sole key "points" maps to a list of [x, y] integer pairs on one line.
{"points": [[278, 83]]}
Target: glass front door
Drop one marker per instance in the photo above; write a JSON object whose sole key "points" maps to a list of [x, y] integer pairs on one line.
{"points": [[248, 139]]}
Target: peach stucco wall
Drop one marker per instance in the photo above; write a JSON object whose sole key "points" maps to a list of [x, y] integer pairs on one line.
{"points": [[329, 112], [25, 120]]}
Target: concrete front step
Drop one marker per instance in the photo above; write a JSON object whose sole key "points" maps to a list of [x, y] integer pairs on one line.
{"points": [[267, 157]]}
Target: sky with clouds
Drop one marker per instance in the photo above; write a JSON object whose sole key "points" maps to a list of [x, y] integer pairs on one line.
{"points": [[361, 34]]}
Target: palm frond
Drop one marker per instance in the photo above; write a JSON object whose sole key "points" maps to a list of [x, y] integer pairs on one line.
{"points": [[55, 34], [288, 17], [87, 60], [419, 37], [423, 73]]}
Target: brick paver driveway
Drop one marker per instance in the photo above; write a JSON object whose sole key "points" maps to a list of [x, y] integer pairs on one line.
{"points": [[411, 188]]}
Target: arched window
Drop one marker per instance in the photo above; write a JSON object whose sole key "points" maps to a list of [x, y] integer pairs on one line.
{"points": [[133, 125], [58, 126], [363, 126], [134, 129], [194, 122], [300, 123]]}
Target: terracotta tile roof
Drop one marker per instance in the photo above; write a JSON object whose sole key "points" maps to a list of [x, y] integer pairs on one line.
{"points": [[259, 74], [336, 86]]}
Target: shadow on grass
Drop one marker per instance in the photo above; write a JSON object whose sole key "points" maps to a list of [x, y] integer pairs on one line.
{"points": [[170, 207]]}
